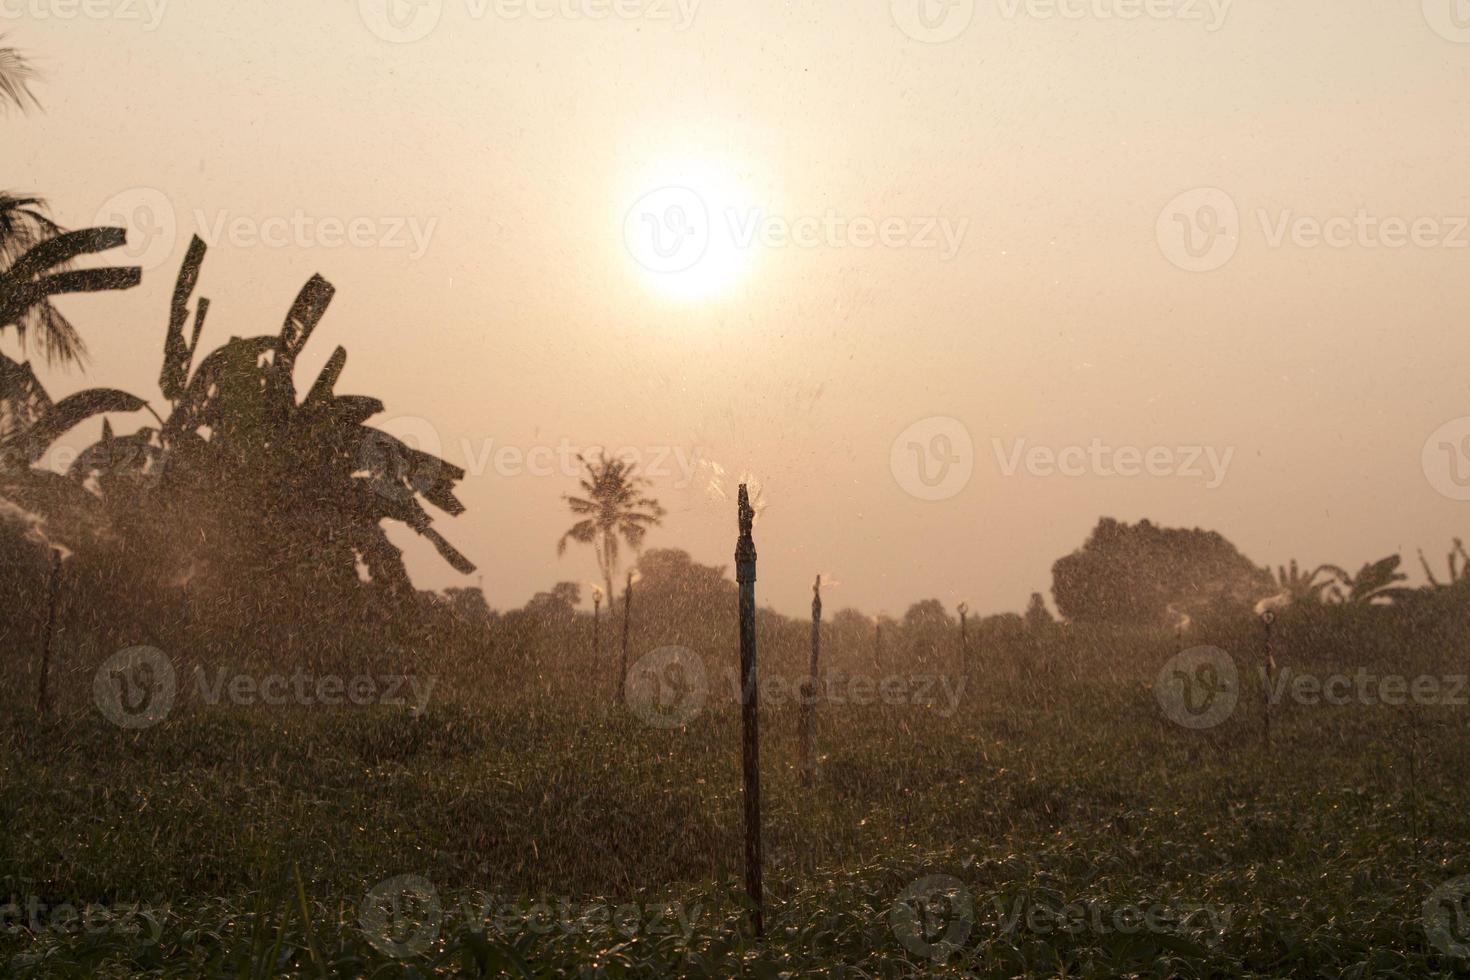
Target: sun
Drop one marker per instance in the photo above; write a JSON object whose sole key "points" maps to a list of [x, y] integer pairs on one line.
{"points": [[688, 230]]}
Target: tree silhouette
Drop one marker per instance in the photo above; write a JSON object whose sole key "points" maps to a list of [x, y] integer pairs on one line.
{"points": [[1037, 616], [1134, 573], [32, 248], [264, 502], [1303, 589], [15, 78], [1458, 562], [614, 508], [1375, 583], [926, 629], [38, 257], [30, 422]]}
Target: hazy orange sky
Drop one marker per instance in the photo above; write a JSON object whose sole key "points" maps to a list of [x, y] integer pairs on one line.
{"points": [[1054, 139]]}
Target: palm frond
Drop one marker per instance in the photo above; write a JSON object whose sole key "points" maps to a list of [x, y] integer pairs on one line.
{"points": [[16, 75]]}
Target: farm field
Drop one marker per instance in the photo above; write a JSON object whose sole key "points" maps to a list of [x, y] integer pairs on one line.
{"points": [[1087, 832], [734, 488]]}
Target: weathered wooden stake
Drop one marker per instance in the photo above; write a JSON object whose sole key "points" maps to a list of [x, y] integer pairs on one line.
{"points": [[750, 712], [627, 610], [877, 644], [807, 717], [964, 611], [43, 697], [1268, 675], [597, 629]]}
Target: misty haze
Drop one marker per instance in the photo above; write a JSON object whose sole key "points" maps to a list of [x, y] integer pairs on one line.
{"points": [[696, 488]]}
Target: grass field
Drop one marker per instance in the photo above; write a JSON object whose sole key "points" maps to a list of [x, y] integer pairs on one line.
{"points": [[1056, 823]]}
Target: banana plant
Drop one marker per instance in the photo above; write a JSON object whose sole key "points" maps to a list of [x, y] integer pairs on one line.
{"points": [[285, 482], [1300, 588], [1375, 583], [30, 423], [37, 255], [1458, 563]]}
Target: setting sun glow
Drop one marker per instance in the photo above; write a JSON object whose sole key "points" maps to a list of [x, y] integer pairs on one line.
{"points": [[688, 230]]}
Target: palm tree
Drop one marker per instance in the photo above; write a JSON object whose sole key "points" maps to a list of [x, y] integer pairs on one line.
{"points": [[614, 507], [24, 227], [24, 224], [35, 265], [1299, 589], [1375, 581], [15, 78]]}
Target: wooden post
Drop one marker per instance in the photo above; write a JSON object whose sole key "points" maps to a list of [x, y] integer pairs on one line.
{"points": [[596, 628], [877, 644], [627, 609], [750, 712], [807, 724], [964, 611], [1268, 676], [43, 696]]}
